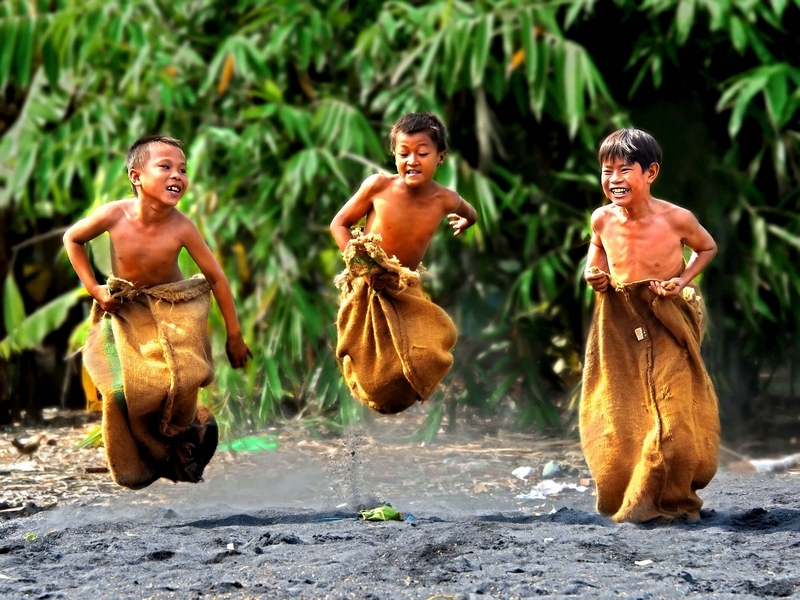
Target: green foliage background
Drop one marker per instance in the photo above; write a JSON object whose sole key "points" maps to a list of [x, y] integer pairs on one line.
{"points": [[285, 107]]}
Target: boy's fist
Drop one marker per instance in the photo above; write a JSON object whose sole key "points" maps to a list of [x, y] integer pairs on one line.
{"points": [[107, 302], [668, 289], [596, 278]]}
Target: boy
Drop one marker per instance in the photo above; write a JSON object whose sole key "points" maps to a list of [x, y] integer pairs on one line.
{"points": [[147, 349], [394, 343], [648, 417]]}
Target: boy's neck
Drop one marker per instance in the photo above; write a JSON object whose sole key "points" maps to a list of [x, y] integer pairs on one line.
{"points": [[637, 210], [151, 211], [426, 189]]}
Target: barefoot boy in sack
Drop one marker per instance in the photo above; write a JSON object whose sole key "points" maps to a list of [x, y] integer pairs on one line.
{"points": [[649, 421], [147, 349], [393, 343]]}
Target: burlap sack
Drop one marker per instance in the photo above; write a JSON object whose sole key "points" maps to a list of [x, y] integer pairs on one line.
{"points": [[649, 420], [393, 343], [148, 362]]}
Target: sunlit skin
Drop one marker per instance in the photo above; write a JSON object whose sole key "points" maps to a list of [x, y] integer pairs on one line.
{"points": [[406, 208], [638, 237], [147, 234]]}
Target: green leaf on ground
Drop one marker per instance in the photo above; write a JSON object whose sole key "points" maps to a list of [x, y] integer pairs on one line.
{"points": [[382, 513], [251, 443]]}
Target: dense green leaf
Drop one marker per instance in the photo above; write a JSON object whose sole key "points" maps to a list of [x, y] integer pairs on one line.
{"points": [[26, 332], [286, 107], [684, 19]]}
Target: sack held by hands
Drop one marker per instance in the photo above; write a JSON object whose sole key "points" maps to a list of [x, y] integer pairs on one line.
{"points": [[149, 361], [393, 343]]}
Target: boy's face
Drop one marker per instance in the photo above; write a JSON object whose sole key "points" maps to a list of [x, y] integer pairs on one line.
{"points": [[625, 183], [163, 176], [416, 157]]}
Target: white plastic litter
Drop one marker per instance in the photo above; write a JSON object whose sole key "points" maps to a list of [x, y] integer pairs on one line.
{"points": [[522, 472], [772, 465], [548, 487]]}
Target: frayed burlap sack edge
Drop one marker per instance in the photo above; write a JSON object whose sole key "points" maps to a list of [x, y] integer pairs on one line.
{"points": [[148, 361], [394, 344], [364, 257], [649, 419]]}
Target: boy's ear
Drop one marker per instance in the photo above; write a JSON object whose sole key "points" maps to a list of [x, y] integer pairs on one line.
{"points": [[133, 177], [441, 157], [652, 172]]}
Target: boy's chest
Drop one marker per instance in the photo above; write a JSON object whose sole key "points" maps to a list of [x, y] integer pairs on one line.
{"points": [[140, 243], [652, 244], [416, 212]]}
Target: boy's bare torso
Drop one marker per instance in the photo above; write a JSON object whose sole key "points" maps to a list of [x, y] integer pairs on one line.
{"points": [[407, 218], [643, 248], [145, 252]]}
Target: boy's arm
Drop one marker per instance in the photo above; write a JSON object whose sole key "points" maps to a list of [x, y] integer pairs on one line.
{"points": [[703, 246], [596, 273], [354, 210], [462, 217], [235, 346], [75, 240]]}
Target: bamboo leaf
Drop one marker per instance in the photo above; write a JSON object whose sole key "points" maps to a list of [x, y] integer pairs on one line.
{"points": [[481, 44], [529, 45], [571, 88], [13, 311], [26, 332], [738, 33], [9, 29], [750, 85], [778, 7], [538, 94], [776, 95], [430, 59], [226, 74], [684, 19]]}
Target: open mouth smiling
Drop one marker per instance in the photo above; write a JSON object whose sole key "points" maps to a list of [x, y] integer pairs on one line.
{"points": [[174, 189], [619, 191]]}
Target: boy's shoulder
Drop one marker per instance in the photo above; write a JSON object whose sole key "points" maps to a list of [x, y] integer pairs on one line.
{"points": [[602, 212], [377, 182], [673, 211], [113, 209], [121, 203]]}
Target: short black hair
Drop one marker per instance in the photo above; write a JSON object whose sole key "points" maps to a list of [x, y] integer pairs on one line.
{"points": [[422, 121], [139, 152], [631, 145]]}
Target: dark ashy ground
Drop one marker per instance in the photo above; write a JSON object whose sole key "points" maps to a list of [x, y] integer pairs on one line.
{"points": [[284, 524]]}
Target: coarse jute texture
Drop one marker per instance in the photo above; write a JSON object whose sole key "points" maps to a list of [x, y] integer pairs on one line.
{"points": [[393, 343], [649, 420], [148, 362]]}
